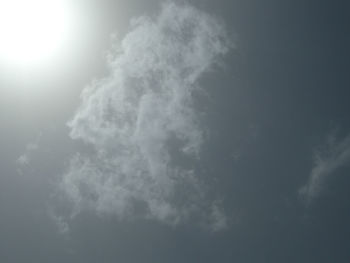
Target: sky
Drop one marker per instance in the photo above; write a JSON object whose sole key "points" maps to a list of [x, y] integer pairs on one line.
{"points": [[175, 131]]}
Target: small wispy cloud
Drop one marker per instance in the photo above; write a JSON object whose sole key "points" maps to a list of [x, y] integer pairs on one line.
{"points": [[25, 158], [132, 118], [327, 159], [59, 221]]}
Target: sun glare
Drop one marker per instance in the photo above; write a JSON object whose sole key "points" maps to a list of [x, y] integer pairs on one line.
{"points": [[33, 32]]}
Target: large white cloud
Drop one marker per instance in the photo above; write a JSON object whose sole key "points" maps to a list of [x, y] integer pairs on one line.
{"points": [[327, 160], [143, 112]]}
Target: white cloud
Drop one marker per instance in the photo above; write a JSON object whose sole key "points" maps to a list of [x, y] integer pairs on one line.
{"points": [[24, 159], [133, 116], [218, 219], [334, 155], [59, 221]]}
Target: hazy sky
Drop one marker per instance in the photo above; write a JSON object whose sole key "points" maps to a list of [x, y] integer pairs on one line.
{"points": [[176, 131]]}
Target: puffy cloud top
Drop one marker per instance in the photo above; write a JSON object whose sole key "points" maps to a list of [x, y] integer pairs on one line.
{"points": [[132, 116]]}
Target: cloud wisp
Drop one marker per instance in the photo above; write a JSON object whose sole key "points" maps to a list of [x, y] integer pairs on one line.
{"points": [[327, 160], [143, 112], [25, 159]]}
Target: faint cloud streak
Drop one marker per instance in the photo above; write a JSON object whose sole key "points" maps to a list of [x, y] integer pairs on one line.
{"points": [[24, 160], [327, 160]]}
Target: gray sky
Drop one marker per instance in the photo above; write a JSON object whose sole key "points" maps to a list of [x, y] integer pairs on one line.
{"points": [[172, 131]]}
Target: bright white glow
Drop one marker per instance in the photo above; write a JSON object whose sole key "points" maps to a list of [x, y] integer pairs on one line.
{"points": [[32, 31]]}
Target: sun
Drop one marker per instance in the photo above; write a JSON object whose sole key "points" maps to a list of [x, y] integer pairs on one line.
{"points": [[33, 32]]}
